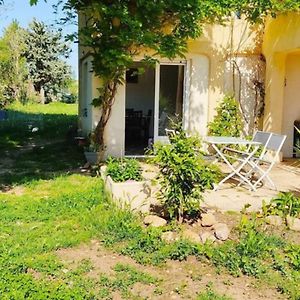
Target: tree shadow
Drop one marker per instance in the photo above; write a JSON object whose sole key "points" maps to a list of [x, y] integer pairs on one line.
{"points": [[238, 41], [22, 128], [37, 146]]}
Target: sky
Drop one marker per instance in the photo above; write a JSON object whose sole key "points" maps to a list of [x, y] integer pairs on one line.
{"points": [[21, 11]]}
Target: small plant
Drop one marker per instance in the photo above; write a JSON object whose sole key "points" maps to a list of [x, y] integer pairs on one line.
{"points": [[292, 253], [210, 294], [286, 203], [92, 145], [121, 170], [227, 121], [249, 254], [184, 175], [126, 276]]}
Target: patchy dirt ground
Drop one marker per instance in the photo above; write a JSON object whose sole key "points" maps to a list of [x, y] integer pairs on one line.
{"points": [[177, 280]]}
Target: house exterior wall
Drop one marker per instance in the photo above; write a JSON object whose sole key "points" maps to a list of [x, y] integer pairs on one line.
{"points": [[281, 48], [85, 96], [207, 79], [221, 44], [291, 101]]}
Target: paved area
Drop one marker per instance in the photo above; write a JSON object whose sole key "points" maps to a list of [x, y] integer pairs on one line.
{"points": [[229, 197]]}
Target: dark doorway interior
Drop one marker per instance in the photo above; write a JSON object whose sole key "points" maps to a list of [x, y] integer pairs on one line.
{"points": [[171, 82], [139, 120]]}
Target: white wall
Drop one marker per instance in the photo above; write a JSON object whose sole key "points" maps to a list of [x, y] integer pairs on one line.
{"points": [[85, 109], [114, 135], [140, 96], [198, 94]]}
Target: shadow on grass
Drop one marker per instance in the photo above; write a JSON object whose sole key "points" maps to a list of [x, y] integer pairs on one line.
{"points": [[21, 128], [42, 162], [37, 146]]}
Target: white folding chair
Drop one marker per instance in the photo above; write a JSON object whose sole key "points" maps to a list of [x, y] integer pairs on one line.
{"points": [[263, 164], [261, 137]]}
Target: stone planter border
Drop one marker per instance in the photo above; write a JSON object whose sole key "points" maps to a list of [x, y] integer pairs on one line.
{"points": [[135, 195]]}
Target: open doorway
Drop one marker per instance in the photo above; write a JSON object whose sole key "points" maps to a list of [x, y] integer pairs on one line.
{"points": [[169, 105], [154, 97], [291, 104], [139, 109]]}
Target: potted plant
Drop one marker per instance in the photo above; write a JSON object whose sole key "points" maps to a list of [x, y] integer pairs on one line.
{"points": [[91, 150]]}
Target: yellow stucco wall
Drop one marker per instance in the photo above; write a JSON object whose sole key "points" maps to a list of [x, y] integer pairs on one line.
{"points": [[291, 101], [281, 48], [237, 38]]}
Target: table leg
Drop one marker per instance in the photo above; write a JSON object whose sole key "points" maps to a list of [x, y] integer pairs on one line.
{"points": [[235, 171]]}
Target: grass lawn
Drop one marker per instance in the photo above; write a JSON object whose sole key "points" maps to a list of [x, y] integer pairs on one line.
{"points": [[61, 237], [36, 142]]}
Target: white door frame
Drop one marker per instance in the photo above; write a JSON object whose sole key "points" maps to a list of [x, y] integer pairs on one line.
{"points": [[185, 106], [86, 109]]}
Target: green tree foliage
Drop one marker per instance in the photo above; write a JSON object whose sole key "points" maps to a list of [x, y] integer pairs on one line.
{"points": [[115, 31], [13, 70], [227, 121], [44, 52], [70, 91]]}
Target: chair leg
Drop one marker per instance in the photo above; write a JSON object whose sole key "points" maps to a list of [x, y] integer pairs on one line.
{"points": [[265, 176]]}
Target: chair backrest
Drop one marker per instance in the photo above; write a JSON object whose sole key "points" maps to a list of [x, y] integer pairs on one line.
{"points": [[276, 142], [262, 137]]}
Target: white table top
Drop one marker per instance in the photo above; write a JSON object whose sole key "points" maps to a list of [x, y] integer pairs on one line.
{"points": [[226, 140]]}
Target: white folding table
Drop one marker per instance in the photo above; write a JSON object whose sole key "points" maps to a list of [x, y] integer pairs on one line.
{"points": [[219, 143]]}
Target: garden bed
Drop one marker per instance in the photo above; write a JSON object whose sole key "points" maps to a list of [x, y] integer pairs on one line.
{"points": [[136, 195]]}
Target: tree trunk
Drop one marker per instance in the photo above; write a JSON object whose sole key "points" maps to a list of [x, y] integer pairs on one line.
{"points": [[109, 93], [42, 96]]}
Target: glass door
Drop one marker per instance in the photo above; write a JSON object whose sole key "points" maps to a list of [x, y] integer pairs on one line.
{"points": [[169, 97]]}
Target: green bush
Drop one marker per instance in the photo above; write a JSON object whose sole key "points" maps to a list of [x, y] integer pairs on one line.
{"points": [[121, 170], [6, 96], [227, 121], [286, 203], [183, 175]]}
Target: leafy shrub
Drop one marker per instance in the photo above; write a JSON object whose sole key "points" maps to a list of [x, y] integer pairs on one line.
{"points": [[184, 175], [68, 98], [292, 253], [227, 121], [6, 96], [286, 203], [121, 170]]}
